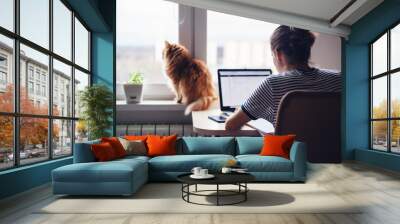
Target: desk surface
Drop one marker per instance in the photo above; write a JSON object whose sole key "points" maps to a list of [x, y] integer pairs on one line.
{"points": [[204, 126]]}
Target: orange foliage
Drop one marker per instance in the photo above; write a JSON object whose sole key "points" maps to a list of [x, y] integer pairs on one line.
{"points": [[33, 131]]}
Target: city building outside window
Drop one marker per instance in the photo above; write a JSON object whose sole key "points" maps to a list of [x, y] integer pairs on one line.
{"points": [[3, 61], [30, 87], [38, 89], [31, 76], [3, 78], [35, 143]]}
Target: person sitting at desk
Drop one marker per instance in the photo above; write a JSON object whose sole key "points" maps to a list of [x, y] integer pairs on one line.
{"points": [[291, 49]]}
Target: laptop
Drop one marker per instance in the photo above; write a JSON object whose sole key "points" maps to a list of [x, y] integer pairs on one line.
{"points": [[235, 85]]}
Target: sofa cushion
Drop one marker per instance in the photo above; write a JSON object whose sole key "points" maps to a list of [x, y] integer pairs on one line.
{"points": [[257, 163], [185, 163], [208, 145], [161, 145], [116, 145], [136, 147], [112, 171], [249, 145], [277, 145], [103, 152]]}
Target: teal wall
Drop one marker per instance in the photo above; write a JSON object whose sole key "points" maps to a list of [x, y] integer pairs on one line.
{"points": [[356, 104], [103, 63], [99, 16], [24, 178]]}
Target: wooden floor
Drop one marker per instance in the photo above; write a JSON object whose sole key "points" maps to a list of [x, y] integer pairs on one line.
{"points": [[377, 188]]}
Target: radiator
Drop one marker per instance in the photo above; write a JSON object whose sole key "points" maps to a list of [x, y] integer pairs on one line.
{"points": [[155, 129]]}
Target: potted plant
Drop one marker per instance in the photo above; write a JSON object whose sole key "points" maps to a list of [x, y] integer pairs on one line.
{"points": [[134, 88], [96, 102]]}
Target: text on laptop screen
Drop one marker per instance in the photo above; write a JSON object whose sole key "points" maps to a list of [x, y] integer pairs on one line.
{"points": [[237, 85]]}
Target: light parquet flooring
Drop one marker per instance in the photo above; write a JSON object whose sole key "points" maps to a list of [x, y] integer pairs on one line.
{"points": [[378, 189]]}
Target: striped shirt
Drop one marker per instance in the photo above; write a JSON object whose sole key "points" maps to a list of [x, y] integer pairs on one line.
{"points": [[264, 101]]}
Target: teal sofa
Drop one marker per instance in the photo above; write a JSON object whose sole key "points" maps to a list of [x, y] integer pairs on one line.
{"points": [[125, 176]]}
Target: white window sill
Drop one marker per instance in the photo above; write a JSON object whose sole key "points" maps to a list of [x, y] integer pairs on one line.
{"points": [[150, 105]]}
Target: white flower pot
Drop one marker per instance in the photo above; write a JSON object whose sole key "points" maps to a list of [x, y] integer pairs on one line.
{"points": [[133, 93]]}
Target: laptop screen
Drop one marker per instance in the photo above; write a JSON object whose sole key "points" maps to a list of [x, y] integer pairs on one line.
{"points": [[235, 85]]}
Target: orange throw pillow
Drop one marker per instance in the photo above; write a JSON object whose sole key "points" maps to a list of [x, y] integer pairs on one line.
{"points": [[103, 152], [135, 137], [161, 145], [116, 145], [275, 145]]}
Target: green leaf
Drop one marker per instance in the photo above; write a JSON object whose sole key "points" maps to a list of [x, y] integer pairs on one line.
{"points": [[96, 102], [136, 78]]}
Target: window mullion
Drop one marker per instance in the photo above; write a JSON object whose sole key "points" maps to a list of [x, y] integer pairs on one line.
{"points": [[50, 81], [16, 84], [371, 89], [389, 104], [16, 72], [73, 81]]}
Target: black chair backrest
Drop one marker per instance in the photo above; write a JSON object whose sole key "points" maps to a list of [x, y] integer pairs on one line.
{"points": [[314, 117]]}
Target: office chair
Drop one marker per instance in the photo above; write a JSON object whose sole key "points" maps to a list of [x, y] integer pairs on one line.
{"points": [[314, 117]]}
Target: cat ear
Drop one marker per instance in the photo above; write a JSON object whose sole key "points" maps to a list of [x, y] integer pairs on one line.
{"points": [[167, 44]]}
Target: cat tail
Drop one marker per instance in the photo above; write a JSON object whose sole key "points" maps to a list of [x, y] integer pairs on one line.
{"points": [[202, 103]]}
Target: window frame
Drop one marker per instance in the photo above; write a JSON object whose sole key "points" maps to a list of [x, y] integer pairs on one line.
{"points": [[388, 74], [16, 115]]}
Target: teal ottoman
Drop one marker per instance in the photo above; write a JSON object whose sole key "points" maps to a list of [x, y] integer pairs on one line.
{"points": [[118, 177]]}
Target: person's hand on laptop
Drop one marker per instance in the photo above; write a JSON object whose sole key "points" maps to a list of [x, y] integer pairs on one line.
{"points": [[236, 120]]}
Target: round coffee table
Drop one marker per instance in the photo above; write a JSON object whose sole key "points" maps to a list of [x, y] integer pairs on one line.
{"points": [[238, 179]]}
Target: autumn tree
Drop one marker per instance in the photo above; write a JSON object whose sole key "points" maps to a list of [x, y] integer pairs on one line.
{"points": [[6, 122], [380, 127], [33, 131]]}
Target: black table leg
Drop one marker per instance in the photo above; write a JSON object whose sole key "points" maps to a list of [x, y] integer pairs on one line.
{"points": [[217, 194], [188, 190], [182, 190], [196, 187], [245, 193]]}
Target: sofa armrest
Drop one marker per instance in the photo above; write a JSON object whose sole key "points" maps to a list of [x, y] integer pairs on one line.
{"points": [[83, 152], [298, 155]]}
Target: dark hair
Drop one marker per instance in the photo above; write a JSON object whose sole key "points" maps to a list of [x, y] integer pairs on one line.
{"points": [[294, 43]]}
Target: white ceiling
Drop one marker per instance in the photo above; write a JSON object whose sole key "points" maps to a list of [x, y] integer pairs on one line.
{"points": [[319, 9], [315, 15]]}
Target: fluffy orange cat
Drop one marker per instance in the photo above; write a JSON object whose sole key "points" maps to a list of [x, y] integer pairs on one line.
{"points": [[190, 78]]}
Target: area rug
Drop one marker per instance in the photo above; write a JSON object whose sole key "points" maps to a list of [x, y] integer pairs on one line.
{"points": [[166, 198]]}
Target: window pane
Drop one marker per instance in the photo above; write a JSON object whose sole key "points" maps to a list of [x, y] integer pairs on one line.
{"points": [[81, 81], [81, 45], [379, 55], [34, 72], [6, 142], [395, 136], [141, 32], [62, 138], [379, 98], [230, 47], [33, 139], [379, 135], [81, 131], [35, 21], [7, 14], [62, 89], [62, 29], [395, 47], [395, 94], [6, 74]]}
